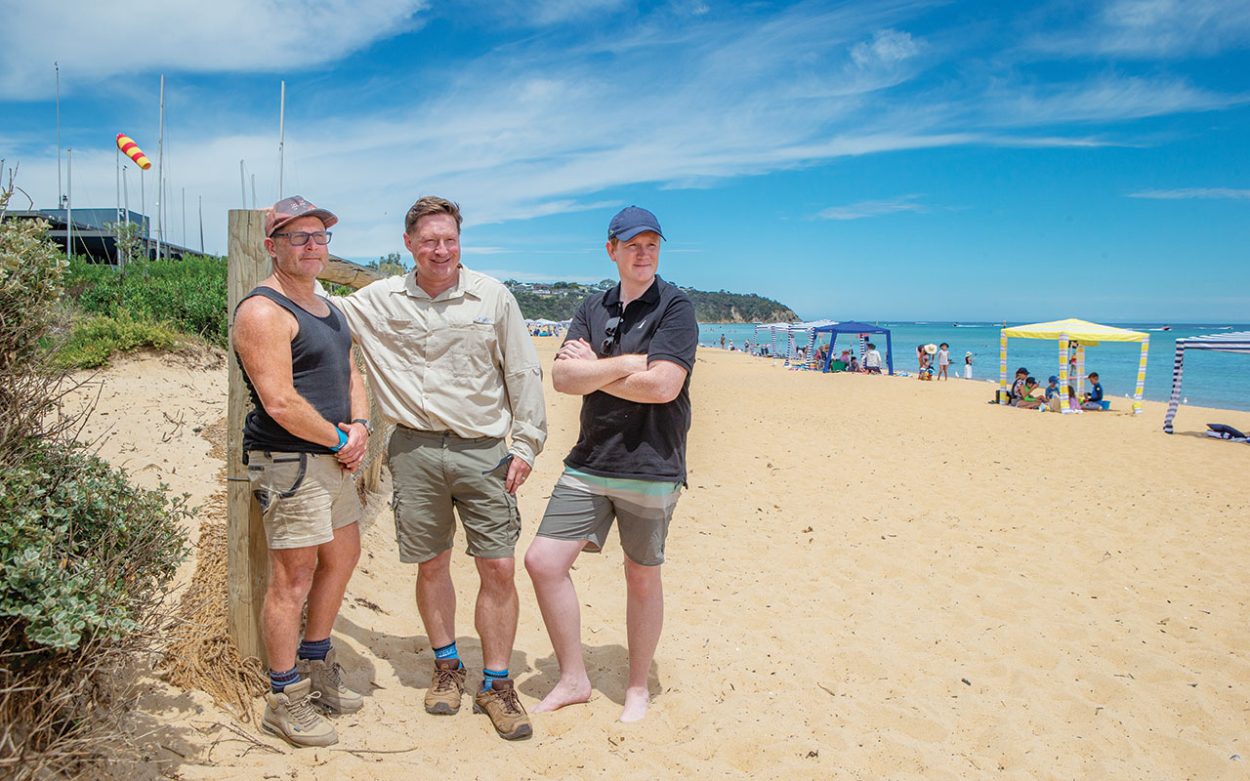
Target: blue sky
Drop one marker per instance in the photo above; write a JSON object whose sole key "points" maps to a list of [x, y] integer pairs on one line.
{"points": [[859, 160]]}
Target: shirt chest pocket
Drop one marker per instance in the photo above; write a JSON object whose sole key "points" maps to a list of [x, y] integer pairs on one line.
{"points": [[463, 350], [403, 343]]}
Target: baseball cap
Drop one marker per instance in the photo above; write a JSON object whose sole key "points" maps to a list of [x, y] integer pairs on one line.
{"points": [[631, 221], [293, 208], [1053, 378]]}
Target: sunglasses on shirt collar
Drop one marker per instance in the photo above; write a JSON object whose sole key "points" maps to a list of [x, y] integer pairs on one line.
{"points": [[611, 328]]}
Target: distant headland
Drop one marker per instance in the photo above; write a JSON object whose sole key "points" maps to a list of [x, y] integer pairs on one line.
{"points": [[559, 300]]}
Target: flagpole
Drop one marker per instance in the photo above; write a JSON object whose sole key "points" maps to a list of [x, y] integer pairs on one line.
{"points": [[60, 191], [160, 176], [281, 136]]}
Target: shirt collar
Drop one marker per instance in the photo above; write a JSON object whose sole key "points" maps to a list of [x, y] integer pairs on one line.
{"points": [[466, 284], [651, 296]]}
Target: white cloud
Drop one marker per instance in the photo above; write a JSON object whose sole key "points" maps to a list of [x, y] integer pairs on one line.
{"points": [[864, 209], [1155, 28], [96, 42], [1104, 99], [1188, 193], [887, 46]]}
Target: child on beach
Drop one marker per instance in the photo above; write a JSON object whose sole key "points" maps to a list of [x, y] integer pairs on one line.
{"points": [[1017, 388], [943, 360], [1093, 399], [967, 365]]}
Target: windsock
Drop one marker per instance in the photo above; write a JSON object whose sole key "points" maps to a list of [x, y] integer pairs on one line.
{"points": [[132, 150]]}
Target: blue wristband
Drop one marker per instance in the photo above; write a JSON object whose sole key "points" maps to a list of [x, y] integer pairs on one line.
{"points": [[342, 440]]}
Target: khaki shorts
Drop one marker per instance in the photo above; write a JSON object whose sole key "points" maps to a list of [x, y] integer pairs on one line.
{"points": [[438, 472], [583, 506], [303, 497]]}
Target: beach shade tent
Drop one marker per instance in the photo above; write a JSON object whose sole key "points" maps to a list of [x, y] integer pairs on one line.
{"points": [[852, 327], [1084, 334], [808, 329], [1238, 342]]}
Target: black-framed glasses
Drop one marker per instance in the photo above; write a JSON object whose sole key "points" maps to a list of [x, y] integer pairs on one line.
{"points": [[613, 324], [300, 238]]}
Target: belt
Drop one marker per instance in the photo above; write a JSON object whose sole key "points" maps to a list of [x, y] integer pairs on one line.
{"points": [[426, 434]]}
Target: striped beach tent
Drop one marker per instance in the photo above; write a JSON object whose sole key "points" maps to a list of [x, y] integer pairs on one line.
{"points": [[1236, 342]]}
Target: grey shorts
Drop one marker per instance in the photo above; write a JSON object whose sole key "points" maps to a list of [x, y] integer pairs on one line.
{"points": [[438, 473], [303, 497], [583, 506]]}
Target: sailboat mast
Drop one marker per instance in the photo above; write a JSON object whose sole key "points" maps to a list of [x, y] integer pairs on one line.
{"points": [[281, 136], [160, 176]]}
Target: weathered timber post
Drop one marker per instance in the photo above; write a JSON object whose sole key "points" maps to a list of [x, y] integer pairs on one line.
{"points": [[247, 553], [247, 561]]}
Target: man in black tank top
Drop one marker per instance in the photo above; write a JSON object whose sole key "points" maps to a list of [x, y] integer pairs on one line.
{"points": [[304, 440]]}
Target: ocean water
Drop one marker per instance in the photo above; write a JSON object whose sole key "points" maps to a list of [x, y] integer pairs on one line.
{"points": [[1211, 379]]}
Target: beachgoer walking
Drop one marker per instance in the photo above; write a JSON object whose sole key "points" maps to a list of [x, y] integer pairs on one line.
{"points": [[452, 364], [629, 354], [943, 360], [305, 436]]}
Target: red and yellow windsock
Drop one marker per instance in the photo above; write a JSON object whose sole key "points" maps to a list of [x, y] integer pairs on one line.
{"points": [[132, 150]]}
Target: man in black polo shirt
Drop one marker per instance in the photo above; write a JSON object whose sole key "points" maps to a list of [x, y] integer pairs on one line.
{"points": [[628, 353]]}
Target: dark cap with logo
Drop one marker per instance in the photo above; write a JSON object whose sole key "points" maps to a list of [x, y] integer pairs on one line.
{"points": [[631, 221], [293, 208]]}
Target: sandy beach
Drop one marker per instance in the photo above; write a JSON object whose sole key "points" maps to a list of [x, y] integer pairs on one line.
{"points": [[869, 577]]}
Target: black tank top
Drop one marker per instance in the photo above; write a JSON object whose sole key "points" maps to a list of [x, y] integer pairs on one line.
{"points": [[321, 368]]}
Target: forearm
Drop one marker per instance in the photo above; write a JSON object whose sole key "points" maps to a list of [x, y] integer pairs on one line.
{"points": [[529, 416], [300, 419], [581, 377], [659, 384]]}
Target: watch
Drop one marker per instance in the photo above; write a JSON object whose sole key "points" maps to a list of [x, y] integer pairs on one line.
{"points": [[365, 422]]}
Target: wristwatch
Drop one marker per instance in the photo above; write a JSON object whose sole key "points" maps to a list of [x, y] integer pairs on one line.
{"points": [[365, 422]]}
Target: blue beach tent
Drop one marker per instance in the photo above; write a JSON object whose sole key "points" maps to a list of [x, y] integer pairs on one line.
{"points": [[852, 327]]}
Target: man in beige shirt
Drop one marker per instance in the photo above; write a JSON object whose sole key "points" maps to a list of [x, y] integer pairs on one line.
{"points": [[451, 363]]}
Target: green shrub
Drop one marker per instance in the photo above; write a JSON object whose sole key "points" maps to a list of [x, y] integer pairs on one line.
{"points": [[93, 341], [84, 555], [188, 294], [82, 552]]}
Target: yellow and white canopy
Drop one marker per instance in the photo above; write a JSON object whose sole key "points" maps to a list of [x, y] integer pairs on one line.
{"points": [[1083, 331]]}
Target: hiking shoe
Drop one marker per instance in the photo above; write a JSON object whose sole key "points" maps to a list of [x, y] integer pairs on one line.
{"points": [[446, 688], [291, 716], [327, 681], [500, 702]]}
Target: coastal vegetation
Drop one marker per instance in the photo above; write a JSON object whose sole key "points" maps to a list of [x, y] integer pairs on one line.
{"points": [[84, 555], [559, 300]]}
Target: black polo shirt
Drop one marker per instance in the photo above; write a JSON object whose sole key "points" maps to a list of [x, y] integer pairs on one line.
{"points": [[630, 439]]}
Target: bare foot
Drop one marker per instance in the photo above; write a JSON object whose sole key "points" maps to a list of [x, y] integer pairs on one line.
{"points": [[636, 701], [565, 693]]}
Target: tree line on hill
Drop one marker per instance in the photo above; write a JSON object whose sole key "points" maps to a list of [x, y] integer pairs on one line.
{"points": [[559, 300]]}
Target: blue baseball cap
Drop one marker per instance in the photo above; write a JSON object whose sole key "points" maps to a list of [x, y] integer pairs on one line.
{"points": [[1053, 378], [631, 221]]}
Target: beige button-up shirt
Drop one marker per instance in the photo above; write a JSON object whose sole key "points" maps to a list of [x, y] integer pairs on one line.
{"points": [[461, 362]]}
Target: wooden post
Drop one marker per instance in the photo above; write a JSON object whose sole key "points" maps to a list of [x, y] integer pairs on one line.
{"points": [[247, 562]]}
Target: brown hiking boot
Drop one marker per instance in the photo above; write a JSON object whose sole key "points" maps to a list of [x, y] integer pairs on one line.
{"points": [[327, 681], [290, 715], [446, 688], [506, 713]]}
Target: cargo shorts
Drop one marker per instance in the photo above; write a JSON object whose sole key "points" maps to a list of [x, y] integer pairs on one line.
{"points": [[437, 476], [303, 497], [583, 507]]}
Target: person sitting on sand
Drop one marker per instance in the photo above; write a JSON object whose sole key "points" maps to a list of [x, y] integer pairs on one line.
{"points": [[1093, 399], [872, 360], [1034, 395], [1017, 388]]}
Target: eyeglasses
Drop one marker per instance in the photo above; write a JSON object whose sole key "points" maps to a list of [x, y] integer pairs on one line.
{"points": [[610, 329], [300, 238]]}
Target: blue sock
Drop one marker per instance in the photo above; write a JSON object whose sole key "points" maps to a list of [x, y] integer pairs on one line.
{"points": [[447, 652], [279, 681], [489, 676], [314, 649]]}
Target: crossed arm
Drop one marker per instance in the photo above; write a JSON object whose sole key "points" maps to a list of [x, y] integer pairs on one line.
{"points": [[262, 338], [579, 371]]}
